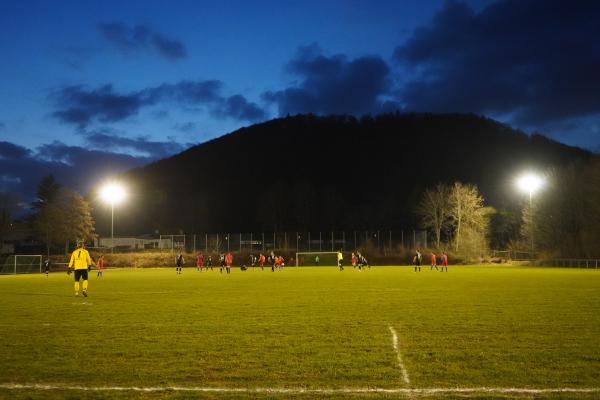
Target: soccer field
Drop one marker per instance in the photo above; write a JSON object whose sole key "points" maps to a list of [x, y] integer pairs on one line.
{"points": [[477, 332]]}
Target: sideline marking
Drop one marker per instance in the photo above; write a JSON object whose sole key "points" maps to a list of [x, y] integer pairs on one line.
{"points": [[400, 363], [414, 391]]}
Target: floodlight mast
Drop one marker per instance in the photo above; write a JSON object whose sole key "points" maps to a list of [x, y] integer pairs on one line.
{"points": [[530, 183], [112, 193]]}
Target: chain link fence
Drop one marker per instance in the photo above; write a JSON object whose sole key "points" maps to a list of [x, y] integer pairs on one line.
{"points": [[382, 241]]}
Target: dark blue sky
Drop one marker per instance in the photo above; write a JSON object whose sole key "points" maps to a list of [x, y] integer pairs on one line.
{"points": [[91, 88]]}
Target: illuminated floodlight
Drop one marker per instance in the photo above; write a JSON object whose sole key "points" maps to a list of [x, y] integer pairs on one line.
{"points": [[530, 183], [113, 193]]}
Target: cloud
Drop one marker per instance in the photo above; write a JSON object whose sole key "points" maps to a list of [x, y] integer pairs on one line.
{"points": [[73, 166], [238, 107], [186, 127], [534, 61], [12, 151], [332, 84], [81, 106], [141, 38], [151, 149]]}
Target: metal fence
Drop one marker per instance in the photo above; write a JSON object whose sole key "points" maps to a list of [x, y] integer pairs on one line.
{"points": [[569, 263], [380, 240]]}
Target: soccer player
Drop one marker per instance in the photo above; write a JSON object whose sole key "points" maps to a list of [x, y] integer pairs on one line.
{"points": [[444, 261], [209, 263], [353, 260], [317, 261], [433, 262], [229, 261], [364, 261], [80, 262], [340, 260], [222, 262], [417, 260], [179, 263], [100, 265], [47, 266], [261, 261], [199, 262], [252, 261]]}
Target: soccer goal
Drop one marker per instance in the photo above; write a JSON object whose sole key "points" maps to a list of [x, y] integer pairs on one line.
{"points": [[172, 242], [316, 259], [22, 264]]}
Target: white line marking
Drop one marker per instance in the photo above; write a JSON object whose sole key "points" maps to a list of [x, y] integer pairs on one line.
{"points": [[414, 391], [397, 349]]}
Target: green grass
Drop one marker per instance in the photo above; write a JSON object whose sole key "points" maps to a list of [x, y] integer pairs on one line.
{"points": [[310, 327]]}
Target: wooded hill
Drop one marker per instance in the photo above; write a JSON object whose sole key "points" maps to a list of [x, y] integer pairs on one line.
{"points": [[321, 173]]}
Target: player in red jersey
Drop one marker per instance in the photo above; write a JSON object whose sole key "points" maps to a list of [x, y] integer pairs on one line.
{"points": [[353, 260], [229, 261], [199, 262], [433, 262], [444, 261], [261, 261], [100, 265]]}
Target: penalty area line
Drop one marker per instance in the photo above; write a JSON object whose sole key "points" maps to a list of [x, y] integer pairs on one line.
{"points": [[407, 391], [398, 355]]}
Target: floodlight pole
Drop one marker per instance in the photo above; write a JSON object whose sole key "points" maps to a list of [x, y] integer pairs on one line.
{"points": [[532, 219], [112, 226]]}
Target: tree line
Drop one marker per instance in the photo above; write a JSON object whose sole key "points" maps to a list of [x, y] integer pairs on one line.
{"points": [[562, 220]]}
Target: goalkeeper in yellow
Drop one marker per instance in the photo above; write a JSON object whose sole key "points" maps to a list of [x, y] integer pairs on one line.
{"points": [[80, 262]]}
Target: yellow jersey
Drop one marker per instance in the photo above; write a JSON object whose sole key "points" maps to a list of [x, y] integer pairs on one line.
{"points": [[340, 256], [80, 259]]}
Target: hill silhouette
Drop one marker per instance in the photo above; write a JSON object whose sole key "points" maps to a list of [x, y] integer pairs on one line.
{"points": [[320, 173]]}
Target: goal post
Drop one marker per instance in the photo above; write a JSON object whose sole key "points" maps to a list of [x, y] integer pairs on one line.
{"points": [[316, 259], [22, 264], [172, 242]]}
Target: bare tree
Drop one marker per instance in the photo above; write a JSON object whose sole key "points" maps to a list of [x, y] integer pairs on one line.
{"points": [[466, 211], [434, 210]]}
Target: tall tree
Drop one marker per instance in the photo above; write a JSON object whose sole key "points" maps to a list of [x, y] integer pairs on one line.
{"points": [[46, 192], [467, 212], [434, 210], [9, 202], [564, 220], [67, 217]]}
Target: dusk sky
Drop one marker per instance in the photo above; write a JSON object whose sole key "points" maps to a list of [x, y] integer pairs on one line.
{"points": [[93, 88]]}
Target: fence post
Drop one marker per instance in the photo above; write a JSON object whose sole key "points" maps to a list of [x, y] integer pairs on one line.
{"points": [[206, 242], [331, 240], [263, 241], [240, 242], [194, 243], [309, 242], [285, 241], [251, 243], [320, 242], [297, 240], [343, 240], [355, 245]]}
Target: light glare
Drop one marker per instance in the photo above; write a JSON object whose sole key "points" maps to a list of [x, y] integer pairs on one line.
{"points": [[530, 183], [112, 193]]}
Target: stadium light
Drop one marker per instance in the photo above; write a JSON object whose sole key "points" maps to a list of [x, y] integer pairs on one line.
{"points": [[530, 183], [112, 193]]}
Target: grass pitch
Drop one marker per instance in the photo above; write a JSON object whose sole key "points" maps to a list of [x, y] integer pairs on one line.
{"points": [[311, 328]]}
